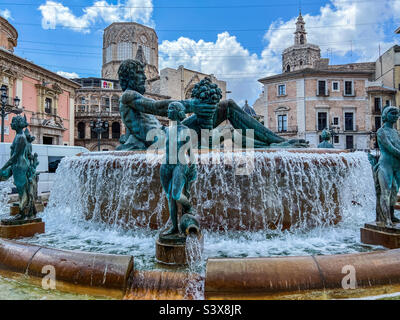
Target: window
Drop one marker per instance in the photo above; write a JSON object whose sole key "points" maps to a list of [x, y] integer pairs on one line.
{"points": [[282, 90], [378, 123], [322, 88], [81, 130], [47, 105], [116, 130], [282, 123], [335, 139], [348, 88], [335, 121], [288, 68], [349, 121], [147, 54], [387, 103], [105, 134], [335, 86], [378, 104], [109, 54], [124, 50], [322, 120]]}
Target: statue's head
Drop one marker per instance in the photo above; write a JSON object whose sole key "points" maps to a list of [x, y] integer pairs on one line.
{"points": [[390, 114], [207, 92], [326, 135], [19, 122], [176, 111], [131, 76]]}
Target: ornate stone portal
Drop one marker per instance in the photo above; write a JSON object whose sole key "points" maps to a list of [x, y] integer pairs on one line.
{"points": [[385, 230], [22, 166]]}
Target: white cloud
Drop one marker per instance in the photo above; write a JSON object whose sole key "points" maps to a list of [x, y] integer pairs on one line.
{"points": [[6, 14], [342, 26], [225, 58], [56, 14], [68, 75]]}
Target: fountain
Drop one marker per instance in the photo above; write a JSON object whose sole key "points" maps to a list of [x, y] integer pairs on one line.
{"points": [[273, 221]]}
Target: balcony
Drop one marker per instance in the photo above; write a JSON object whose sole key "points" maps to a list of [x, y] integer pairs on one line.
{"points": [[289, 130]]}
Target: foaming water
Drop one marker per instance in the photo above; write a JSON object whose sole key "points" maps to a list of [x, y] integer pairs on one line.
{"points": [[5, 189], [88, 205], [69, 225], [282, 189]]}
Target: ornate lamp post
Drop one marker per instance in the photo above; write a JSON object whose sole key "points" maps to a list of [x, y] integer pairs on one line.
{"points": [[6, 108], [99, 127]]}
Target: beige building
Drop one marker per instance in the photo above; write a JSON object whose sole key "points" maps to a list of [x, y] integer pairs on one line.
{"points": [[316, 96], [179, 83]]}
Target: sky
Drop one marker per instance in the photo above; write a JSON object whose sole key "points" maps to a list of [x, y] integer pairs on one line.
{"points": [[238, 41]]}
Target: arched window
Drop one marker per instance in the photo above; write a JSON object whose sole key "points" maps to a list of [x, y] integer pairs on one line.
{"points": [[81, 130], [301, 62], [105, 134], [288, 68], [301, 39], [116, 130]]}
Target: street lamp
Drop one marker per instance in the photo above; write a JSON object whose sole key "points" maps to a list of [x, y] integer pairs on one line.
{"points": [[99, 127], [6, 108], [334, 131]]}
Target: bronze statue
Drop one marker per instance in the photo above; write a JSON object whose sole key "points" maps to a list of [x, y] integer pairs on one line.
{"points": [[22, 166], [177, 173], [326, 137], [387, 169], [137, 113]]}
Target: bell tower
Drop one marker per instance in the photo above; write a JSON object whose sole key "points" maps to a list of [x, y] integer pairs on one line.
{"points": [[302, 54], [300, 34]]}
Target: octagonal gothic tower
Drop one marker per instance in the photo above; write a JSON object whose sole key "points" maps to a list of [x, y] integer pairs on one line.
{"points": [[129, 40], [302, 54]]}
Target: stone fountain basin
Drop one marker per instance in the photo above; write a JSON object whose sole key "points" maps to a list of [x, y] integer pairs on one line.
{"points": [[225, 278], [286, 189]]}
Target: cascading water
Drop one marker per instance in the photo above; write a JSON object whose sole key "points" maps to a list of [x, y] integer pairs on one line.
{"points": [[284, 189], [112, 203]]}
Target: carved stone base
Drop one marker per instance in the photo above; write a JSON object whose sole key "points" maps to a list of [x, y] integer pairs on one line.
{"points": [[170, 252], [374, 234], [21, 231]]}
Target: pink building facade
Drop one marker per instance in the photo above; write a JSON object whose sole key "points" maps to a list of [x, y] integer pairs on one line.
{"points": [[47, 98]]}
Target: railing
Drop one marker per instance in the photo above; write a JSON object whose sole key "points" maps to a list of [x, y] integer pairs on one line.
{"points": [[353, 129], [288, 130]]}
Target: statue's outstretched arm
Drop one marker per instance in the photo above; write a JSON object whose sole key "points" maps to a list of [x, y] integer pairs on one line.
{"points": [[150, 106], [229, 110], [388, 145]]}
